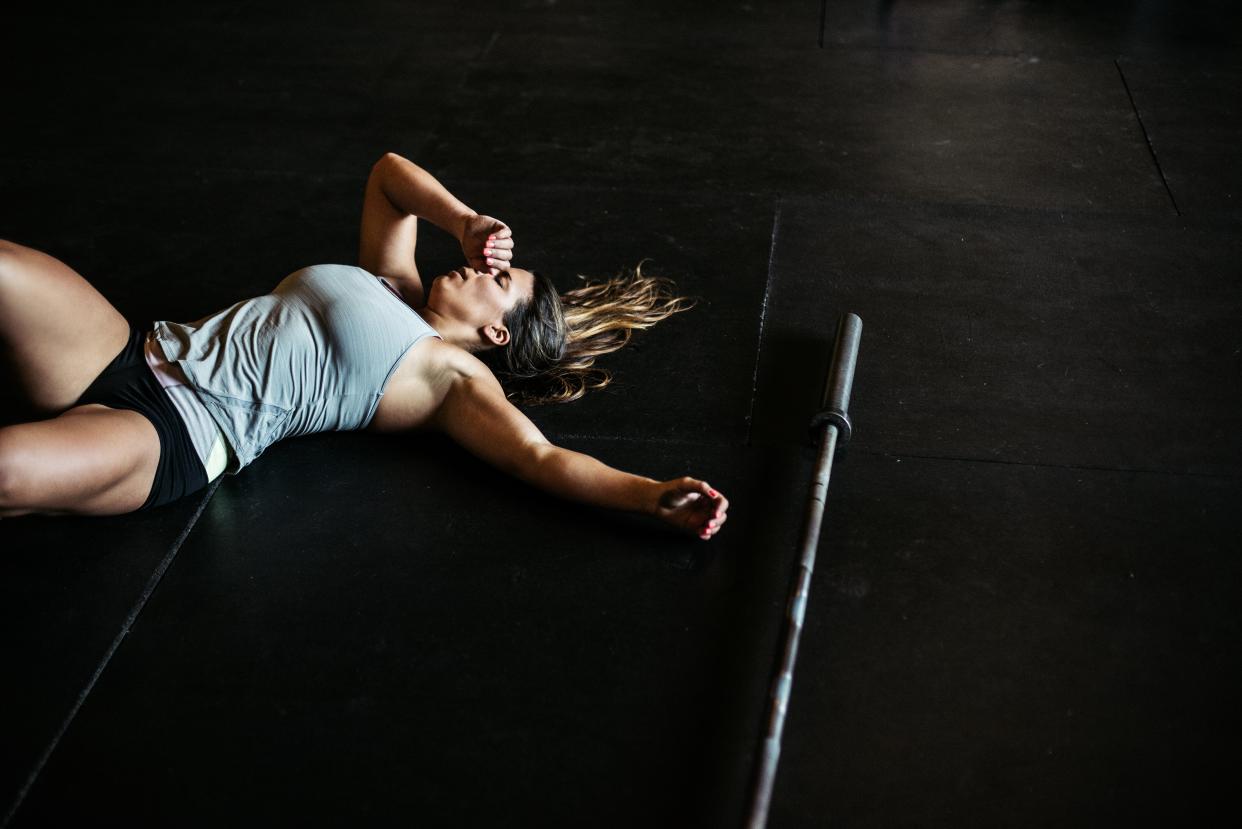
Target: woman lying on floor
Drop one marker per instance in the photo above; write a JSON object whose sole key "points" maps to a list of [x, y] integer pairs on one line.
{"points": [[332, 348]]}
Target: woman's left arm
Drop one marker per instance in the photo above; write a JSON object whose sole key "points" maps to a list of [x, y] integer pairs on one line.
{"points": [[476, 414], [398, 193]]}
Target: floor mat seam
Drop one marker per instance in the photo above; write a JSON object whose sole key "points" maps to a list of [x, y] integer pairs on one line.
{"points": [[763, 314], [1151, 148], [126, 626]]}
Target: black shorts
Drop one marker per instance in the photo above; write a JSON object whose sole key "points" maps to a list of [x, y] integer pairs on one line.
{"points": [[128, 383]]}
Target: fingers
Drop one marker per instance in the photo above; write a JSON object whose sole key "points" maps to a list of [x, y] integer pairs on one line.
{"points": [[711, 527], [720, 503], [694, 506], [718, 506], [497, 257], [498, 251]]}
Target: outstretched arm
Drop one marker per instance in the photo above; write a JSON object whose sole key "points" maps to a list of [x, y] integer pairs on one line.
{"points": [[476, 414], [398, 194]]}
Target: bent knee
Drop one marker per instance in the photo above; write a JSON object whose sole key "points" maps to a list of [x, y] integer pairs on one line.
{"points": [[17, 259], [10, 251], [11, 255]]}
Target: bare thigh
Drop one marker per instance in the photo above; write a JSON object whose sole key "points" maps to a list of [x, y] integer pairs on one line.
{"points": [[91, 460], [56, 331]]}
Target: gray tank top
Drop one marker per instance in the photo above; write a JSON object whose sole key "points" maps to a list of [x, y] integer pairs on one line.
{"points": [[314, 355]]}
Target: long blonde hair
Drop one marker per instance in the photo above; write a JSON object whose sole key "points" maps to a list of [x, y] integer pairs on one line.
{"points": [[555, 340]]}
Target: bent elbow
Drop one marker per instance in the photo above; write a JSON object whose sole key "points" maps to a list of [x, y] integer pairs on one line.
{"points": [[388, 159], [531, 463], [540, 451]]}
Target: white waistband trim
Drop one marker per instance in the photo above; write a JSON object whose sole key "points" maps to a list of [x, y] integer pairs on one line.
{"points": [[208, 440]]}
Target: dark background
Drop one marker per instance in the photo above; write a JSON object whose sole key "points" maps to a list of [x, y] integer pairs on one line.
{"points": [[1024, 609]]}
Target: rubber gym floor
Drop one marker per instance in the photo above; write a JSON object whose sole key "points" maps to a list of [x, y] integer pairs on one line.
{"points": [[1024, 610]]}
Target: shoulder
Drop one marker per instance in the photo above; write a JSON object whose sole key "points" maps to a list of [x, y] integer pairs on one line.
{"points": [[450, 372], [328, 276], [442, 358], [424, 382]]}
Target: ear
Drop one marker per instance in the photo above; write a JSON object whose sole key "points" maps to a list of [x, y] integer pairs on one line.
{"points": [[497, 335]]}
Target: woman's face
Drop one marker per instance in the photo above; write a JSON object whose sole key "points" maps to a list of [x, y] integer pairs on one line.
{"points": [[477, 298]]}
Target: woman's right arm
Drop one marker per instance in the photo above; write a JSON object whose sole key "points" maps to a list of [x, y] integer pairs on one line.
{"points": [[398, 193], [476, 415]]}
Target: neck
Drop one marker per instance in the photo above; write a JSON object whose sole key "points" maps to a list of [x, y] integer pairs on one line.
{"points": [[450, 330]]}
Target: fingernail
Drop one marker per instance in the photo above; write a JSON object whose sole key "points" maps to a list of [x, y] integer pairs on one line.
{"points": [[487, 252], [490, 238], [712, 493]]}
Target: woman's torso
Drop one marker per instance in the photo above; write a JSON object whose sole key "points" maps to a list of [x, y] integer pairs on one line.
{"points": [[331, 348]]}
